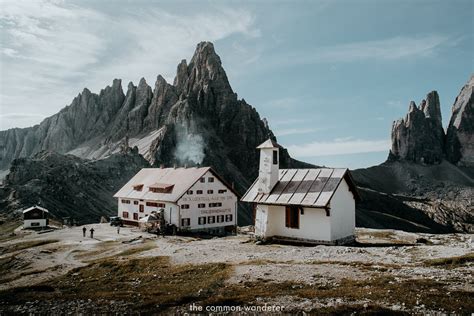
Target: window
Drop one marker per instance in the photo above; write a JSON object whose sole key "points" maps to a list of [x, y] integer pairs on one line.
{"points": [[210, 191], [220, 218], [184, 206], [190, 192], [211, 219], [302, 211], [138, 187], [126, 201], [155, 204], [228, 218], [202, 180], [222, 191], [35, 224], [215, 204], [125, 214], [202, 220], [201, 205], [161, 190], [135, 202], [199, 192], [135, 216], [210, 179], [185, 222], [275, 157], [292, 216], [141, 208]]}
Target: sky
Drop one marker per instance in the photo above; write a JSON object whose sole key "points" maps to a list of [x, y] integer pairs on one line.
{"points": [[329, 76]]}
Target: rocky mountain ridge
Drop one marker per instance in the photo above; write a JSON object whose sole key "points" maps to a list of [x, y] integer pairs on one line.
{"points": [[420, 137], [200, 108], [197, 120]]}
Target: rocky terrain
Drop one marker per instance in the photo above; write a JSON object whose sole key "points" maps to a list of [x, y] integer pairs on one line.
{"points": [[386, 271]]}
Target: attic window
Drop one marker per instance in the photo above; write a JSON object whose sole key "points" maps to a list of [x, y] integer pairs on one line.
{"points": [[275, 157], [161, 188], [138, 187]]}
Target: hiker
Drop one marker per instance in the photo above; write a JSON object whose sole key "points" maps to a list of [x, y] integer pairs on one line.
{"points": [[84, 229], [92, 232], [118, 230]]}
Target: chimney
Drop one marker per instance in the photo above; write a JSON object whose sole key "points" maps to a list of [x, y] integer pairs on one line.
{"points": [[269, 170]]}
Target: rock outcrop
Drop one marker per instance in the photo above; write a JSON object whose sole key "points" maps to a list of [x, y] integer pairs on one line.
{"points": [[419, 137], [460, 134]]}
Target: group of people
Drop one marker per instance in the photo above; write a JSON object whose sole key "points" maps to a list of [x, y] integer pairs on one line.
{"points": [[84, 230]]}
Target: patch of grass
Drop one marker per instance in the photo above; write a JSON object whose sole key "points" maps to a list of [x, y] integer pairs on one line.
{"points": [[380, 290], [358, 309], [7, 230], [137, 249], [362, 265], [450, 262], [25, 245], [262, 262], [9, 265], [100, 249], [146, 282]]}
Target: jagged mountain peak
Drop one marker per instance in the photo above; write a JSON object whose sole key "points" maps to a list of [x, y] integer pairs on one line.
{"points": [[420, 136], [460, 134], [432, 107]]}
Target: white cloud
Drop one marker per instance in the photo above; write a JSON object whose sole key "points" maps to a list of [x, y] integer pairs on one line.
{"points": [[393, 48], [297, 130], [50, 50], [341, 146]]}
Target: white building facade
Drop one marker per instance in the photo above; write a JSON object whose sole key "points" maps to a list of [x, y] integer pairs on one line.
{"points": [[303, 205], [35, 217], [192, 199]]}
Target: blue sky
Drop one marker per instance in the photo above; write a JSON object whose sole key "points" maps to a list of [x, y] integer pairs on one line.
{"points": [[330, 76]]}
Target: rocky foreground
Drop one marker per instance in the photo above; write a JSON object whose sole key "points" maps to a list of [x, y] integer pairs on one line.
{"points": [[386, 271]]}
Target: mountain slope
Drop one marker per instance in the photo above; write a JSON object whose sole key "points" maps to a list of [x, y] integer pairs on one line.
{"points": [[67, 185]]}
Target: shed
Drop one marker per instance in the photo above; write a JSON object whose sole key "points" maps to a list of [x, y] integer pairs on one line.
{"points": [[35, 216]]}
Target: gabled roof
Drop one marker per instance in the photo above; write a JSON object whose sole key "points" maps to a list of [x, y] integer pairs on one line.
{"points": [[35, 207], [306, 187], [269, 143], [180, 179]]}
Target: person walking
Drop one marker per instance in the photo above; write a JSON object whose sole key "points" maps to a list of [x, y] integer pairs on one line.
{"points": [[84, 229], [118, 230], [92, 232]]}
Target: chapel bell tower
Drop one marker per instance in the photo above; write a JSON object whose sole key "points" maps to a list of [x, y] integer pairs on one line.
{"points": [[269, 166]]}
